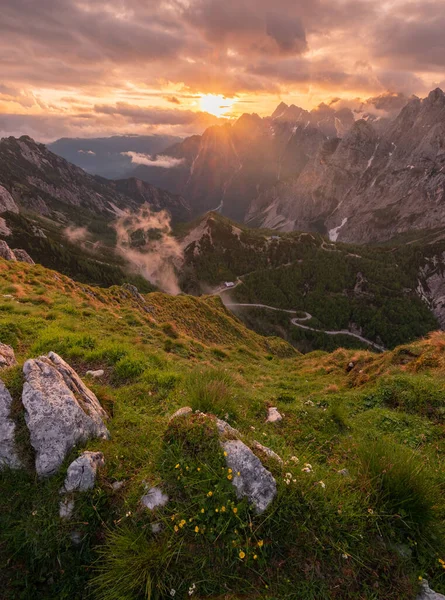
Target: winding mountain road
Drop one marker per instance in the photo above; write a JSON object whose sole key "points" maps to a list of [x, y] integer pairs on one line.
{"points": [[297, 322]]}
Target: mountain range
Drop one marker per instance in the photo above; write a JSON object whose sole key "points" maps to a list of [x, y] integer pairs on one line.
{"points": [[365, 180]]}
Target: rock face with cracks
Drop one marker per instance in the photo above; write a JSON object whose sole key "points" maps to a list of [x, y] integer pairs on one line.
{"points": [[81, 474], [7, 357], [426, 593], [60, 411], [8, 453], [254, 481]]}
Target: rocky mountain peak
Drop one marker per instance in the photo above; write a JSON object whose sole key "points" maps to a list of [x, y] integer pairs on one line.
{"points": [[435, 97]]}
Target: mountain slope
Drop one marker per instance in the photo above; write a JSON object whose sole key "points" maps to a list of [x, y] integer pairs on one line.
{"points": [[357, 510], [389, 295], [371, 185]]}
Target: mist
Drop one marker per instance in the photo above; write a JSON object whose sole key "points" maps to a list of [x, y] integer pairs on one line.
{"points": [[157, 250]]}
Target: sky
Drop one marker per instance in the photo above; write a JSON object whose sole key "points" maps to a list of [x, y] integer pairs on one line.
{"points": [[84, 68]]}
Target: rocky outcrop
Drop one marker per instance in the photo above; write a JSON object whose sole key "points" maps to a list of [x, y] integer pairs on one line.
{"points": [[8, 452], [5, 252], [81, 474], [250, 478], [60, 411], [7, 356], [426, 593], [7, 202], [23, 256], [14, 255]]}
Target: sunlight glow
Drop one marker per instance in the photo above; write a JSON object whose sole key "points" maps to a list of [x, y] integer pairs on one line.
{"points": [[216, 105]]}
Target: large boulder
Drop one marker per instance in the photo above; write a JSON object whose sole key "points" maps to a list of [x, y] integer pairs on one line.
{"points": [[23, 256], [250, 478], [7, 357], [61, 411], [7, 202], [81, 474], [8, 453], [426, 593], [6, 252]]}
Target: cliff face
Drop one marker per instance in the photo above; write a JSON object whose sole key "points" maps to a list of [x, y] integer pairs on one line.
{"points": [[373, 184]]}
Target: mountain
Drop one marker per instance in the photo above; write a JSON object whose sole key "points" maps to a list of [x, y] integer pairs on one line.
{"points": [[108, 157], [63, 217], [370, 185], [387, 295], [191, 457], [230, 165], [42, 182]]}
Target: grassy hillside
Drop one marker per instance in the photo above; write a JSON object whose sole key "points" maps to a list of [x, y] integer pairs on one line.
{"points": [[369, 289], [359, 511]]}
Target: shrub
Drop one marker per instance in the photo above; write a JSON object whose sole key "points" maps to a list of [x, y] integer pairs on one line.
{"points": [[211, 391], [400, 485], [128, 369], [417, 394]]}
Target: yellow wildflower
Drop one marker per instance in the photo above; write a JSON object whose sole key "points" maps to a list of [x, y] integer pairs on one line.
{"points": [[235, 510], [223, 509], [225, 453], [242, 555], [230, 477], [216, 509], [197, 529], [176, 528], [177, 466], [210, 494], [202, 510], [182, 523], [260, 543], [442, 562], [198, 469], [229, 471], [255, 557], [238, 474]]}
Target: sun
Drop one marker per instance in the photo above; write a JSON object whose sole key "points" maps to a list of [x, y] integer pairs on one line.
{"points": [[216, 104]]}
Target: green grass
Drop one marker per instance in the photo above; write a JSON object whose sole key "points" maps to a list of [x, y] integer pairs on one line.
{"points": [[369, 534]]}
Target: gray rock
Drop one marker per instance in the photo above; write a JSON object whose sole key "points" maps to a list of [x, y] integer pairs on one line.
{"points": [[23, 256], [66, 508], [273, 415], [81, 474], [6, 252], [60, 411], [154, 498], [156, 528], [254, 482], [267, 451], [426, 593], [8, 453], [182, 412], [225, 429], [7, 202], [96, 374], [7, 357], [117, 485]]}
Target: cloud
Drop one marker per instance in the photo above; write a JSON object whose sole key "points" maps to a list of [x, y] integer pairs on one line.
{"points": [[86, 152], [157, 251], [164, 162]]}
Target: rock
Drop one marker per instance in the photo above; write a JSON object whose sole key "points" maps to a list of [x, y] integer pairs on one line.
{"points": [[7, 357], [66, 508], [23, 256], [8, 453], [60, 411], [7, 202], [426, 593], [254, 482], [225, 429], [182, 412], [117, 485], [81, 474], [273, 416], [6, 252], [154, 498], [96, 374], [267, 451]]}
